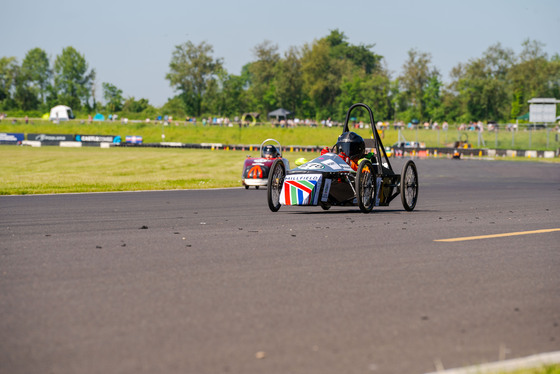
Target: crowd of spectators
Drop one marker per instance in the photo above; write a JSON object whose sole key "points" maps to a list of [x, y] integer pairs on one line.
{"points": [[478, 126]]}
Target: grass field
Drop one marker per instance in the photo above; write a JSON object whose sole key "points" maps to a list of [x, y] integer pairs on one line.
{"points": [[28, 170], [315, 136], [548, 369]]}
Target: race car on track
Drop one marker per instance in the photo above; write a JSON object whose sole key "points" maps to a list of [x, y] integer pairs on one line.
{"points": [[255, 169], [344, 175]]}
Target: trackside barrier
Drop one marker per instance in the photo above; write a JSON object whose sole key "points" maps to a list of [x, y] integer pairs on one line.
{"points": [[398, 152], [220, 146], [531, 154], [170, 144], [471, 152], [211, 145], [71, 144], [31, 143]]}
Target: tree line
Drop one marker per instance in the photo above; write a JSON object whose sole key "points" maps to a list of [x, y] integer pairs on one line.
{"points": [[318, 80]]}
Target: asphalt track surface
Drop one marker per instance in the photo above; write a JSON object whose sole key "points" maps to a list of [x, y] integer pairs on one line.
{"points": [[213, 282]]}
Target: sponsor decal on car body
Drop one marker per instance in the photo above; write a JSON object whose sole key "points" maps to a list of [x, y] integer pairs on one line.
{"points": [[301, 189]]}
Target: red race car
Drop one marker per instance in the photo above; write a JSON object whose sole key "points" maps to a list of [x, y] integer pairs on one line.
{"points": [[255, 170]]}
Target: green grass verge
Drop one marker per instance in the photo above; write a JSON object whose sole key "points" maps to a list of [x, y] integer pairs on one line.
{"points": [[28, 170], [317, 136], [548, 369]]}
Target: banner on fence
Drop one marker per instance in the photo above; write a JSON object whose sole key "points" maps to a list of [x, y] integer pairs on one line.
{"points": [[50, 138], [98, 138], [11, 138], [133, 139]]}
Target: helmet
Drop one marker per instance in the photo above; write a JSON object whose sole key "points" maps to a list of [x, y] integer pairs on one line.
{"points": [[352, 145], [269, 151]]}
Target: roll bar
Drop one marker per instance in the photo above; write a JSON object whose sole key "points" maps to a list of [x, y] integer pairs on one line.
{"points": [[380, 153]]}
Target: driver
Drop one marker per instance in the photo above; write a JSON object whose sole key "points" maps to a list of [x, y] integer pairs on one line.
{"points": [[269, 151], [351, 147]]}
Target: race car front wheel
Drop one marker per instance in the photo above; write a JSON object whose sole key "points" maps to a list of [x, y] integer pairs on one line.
{"points": [[365, 186], [275, 182], [409, 185]]}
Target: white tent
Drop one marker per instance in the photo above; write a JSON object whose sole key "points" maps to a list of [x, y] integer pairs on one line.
{"points": [[61, 113]]}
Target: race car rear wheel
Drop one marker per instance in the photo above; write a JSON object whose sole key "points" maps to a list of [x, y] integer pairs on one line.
{"points": [[409, 185], [275, 182], [365, 186]]}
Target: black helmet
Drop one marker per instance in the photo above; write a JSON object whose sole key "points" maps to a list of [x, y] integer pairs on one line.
{"points": [[352, 145], [269, 151]]}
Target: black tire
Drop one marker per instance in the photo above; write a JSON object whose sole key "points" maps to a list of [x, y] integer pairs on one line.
{"points": [[366, 191], [275, 183], [246, 187], [256, 187], [409, 185]]}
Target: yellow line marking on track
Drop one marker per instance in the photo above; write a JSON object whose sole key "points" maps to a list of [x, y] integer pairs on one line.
{"points": [[496, 235]]}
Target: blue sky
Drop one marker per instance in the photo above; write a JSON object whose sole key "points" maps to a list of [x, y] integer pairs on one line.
{"points": [[129, 43]]}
